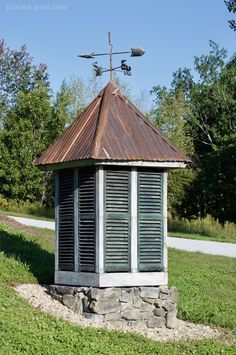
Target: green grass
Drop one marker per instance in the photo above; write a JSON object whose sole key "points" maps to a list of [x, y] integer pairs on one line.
{"points": [[198, 236], [206, 284], [25, 258], [205, 229], [25, 215], [36, 209], [24, 330]]}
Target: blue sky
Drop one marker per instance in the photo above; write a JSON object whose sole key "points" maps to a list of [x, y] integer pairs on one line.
{"points": [[171, 32]]}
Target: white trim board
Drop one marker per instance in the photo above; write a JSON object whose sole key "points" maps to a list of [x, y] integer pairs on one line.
{"points": [[144, 164], [92, 162], [116, 279]]}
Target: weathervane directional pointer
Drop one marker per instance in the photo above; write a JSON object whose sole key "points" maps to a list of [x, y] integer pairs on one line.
{"points": [[126, 69]]}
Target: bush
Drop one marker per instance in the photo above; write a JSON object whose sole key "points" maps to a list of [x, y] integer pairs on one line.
{"points": [[26, 207], [207, 226], [3, 202]]}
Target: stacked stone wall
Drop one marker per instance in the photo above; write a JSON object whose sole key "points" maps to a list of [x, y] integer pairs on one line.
{"points": [[153, 307]]}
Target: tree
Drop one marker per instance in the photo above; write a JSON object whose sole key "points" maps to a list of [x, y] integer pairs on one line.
{"points": [[231, 5], [73, 97], [211, 123], [171, 116], [27, 133], [17, 74]]}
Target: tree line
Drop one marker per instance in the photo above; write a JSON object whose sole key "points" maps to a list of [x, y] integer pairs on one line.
{"points": [[198, 113]]}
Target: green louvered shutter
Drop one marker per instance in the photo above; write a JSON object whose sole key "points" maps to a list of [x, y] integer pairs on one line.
{"points": [[117, 221], [150, 221], [87, 221], [66, 220]]}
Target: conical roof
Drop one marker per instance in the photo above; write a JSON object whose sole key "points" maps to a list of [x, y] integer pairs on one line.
{"points": [[111, 129]]}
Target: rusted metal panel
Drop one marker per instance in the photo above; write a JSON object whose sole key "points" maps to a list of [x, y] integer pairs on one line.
{"points": [[112, 128]]}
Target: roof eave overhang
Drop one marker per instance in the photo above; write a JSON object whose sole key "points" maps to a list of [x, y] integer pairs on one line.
{"points": [[137, 163]]}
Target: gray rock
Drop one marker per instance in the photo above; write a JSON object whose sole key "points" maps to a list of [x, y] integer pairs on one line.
{"points": [[63, 290], [125, 306], [156, 322], [174, 295], [132, 314], [159, 312], [77, 306], [169, 306], [171, 319], [159, 303], [82, 289], [147, 307], [137, 302], [56, 297], [73, 302], [125, 297], [112, 316], [150, 300], [149, 292], [104, 307], [95, 318], [52, 288], [164, 289], [146, 315], [135, 291], [109, 294], [85, 303], [68, 300], [163, 296], [128, 289]]}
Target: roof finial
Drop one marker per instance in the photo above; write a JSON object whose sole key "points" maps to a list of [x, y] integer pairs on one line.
{"points": [[124, 68], [111, 47]]}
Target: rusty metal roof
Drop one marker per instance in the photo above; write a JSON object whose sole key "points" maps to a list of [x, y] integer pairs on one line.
{"points": [[111, 128]]}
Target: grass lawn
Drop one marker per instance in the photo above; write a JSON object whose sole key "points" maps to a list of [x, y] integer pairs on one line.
{"points": [[25, 215], [207, 286], [198, 236]]}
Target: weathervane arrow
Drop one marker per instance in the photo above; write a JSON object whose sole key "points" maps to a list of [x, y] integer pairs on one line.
{"points": [[134, 52]]}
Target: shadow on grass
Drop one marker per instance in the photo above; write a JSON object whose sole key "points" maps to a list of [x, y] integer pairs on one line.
{"points": [[39, 261]]}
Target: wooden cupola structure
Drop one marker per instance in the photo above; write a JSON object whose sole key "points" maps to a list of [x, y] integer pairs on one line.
{"points": [[111, 196]]}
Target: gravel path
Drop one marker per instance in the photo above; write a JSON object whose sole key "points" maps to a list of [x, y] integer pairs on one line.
{"points": [[38, 298], [34, 222], [203, 246]]}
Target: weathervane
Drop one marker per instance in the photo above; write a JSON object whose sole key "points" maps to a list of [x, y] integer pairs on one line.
{"points": [[126, 69]]}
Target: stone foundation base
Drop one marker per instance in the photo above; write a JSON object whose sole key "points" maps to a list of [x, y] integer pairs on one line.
{"points": [[154, 307]]}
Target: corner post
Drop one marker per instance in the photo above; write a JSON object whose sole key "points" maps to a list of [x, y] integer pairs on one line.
{"points": [[165, 236], [100, 220], [56, 219], [134, 241], [76, 224]]}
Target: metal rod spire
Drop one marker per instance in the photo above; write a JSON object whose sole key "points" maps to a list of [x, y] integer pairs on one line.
{"points": [[110, 44], [123, 67]]}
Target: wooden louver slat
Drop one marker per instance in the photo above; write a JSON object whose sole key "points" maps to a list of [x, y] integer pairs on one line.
{"points": [[150, 223], [117, 221], [66, 221], [87, 222]]}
